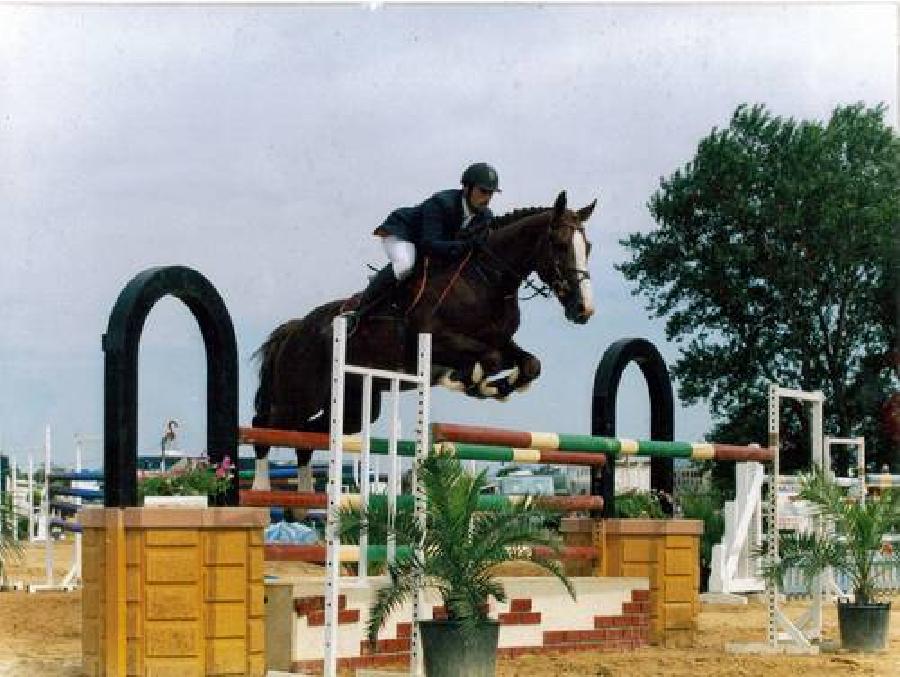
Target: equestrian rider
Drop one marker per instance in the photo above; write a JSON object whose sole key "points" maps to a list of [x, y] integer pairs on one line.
{"points": [[432, 228]]}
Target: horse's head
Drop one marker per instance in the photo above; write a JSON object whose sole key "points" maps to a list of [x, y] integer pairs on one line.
{"points": [[562, 266]]}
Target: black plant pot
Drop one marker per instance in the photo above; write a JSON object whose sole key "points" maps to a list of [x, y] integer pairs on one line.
{"points": [[864, 627], [449, 653]]}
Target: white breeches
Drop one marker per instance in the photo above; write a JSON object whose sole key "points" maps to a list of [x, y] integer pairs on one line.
{"points": [[402, 255]]}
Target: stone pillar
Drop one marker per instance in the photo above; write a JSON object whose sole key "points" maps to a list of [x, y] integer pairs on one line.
{"points": [[667, 553], [581, 531], [173, 591]]}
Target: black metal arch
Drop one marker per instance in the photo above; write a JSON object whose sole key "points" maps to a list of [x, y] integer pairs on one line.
{"points": [[603, 411], [120, 345]]}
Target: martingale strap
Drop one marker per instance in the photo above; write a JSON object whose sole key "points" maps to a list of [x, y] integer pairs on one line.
{"points": [[421, 290], [453, 280]]}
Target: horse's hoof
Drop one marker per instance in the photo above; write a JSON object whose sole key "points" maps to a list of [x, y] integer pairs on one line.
{"points": [[488, 390], [523, 388]]}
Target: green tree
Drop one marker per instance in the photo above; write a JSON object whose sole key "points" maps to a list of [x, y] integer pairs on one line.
{"points": [[776, 259]]}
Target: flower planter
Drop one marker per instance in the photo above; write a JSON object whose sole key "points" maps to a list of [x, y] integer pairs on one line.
{"points": [[448, 653], [176, 501], [173, 591], [864, 627]]}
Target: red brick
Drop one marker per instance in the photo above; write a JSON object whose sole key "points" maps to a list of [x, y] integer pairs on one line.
{"points": [[520, 605], [404, 629], [640, 595], [393, 645], [317, 618], [554, 636], [631, 607], [522, 618], [606, 621]]}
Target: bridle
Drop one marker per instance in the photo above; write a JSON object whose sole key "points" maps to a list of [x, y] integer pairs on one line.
{"points": [[560, 276]]}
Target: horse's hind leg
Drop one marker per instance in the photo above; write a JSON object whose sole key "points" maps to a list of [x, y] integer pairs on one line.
{"points": [[261, 475]]}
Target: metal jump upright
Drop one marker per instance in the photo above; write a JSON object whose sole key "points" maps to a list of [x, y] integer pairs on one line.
{"points": [[422, 382]]}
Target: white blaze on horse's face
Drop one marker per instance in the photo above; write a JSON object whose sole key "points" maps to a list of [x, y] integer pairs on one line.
{"points": [[580, 248]]}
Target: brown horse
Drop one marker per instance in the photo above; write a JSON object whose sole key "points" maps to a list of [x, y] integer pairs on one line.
{"points": [[470, 307]]}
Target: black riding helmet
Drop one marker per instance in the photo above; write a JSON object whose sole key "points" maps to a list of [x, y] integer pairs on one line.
{"points": [[481, 174]]}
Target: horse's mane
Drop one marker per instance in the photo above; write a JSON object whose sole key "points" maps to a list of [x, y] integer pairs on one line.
{"points": [[516, 215]]}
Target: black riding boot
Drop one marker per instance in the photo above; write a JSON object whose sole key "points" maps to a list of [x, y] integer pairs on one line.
{"points": [[381, 284]]}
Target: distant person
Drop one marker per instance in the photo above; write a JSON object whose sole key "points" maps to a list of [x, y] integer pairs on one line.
{"points": [[432, 228]]}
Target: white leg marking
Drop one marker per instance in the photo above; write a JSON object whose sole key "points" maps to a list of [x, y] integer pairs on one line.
{"points": [[513, 376], [450, 384], [477, 373], [305, 481], [261, 476]]}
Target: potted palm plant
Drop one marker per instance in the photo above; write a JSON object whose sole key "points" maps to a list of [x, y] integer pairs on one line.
{"points": [[852, 544], [460, 549]]}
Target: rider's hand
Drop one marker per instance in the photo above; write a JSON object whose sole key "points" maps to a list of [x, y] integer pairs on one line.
{"points": [[479, 238], [458, 249]]}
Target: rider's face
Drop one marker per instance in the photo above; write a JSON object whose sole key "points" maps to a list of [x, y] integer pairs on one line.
{"points": [[479, 198]]}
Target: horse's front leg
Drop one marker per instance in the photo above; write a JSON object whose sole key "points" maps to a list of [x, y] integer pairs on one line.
{"points": [[524, 368]]}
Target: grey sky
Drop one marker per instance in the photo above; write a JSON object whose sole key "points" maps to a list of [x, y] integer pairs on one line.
{"points": [[261, 145]]}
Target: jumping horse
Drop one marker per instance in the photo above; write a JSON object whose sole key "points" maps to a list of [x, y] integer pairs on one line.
{"points": [[470, 307]]}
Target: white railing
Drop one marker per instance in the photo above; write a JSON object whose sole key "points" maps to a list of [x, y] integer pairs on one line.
{"points": [[733, 567]]}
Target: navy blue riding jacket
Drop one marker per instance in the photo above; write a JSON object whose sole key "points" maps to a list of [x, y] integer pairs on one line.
{"points": [[433, 225]]}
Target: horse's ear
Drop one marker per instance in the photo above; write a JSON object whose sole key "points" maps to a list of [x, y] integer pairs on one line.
{"points": [[585, 212], [560, 207]]}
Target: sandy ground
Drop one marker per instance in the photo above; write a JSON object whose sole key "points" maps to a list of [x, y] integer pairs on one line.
{"points": [[40, 636]]}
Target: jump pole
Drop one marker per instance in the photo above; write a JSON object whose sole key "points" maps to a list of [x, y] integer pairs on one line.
{"points": [[471, 438], [381, 447]]}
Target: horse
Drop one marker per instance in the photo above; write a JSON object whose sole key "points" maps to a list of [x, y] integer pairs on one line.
{"points": [[470, 307]]}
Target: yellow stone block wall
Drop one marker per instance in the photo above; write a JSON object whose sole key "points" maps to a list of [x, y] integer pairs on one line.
{"points": [[192, 586], [667, 553]]}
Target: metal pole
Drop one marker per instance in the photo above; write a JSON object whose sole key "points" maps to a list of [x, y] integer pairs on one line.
{"points": [[335, 479], [772, 530], [30, 499], [394, 469], [423, 445], [364, 488], [14, 476], [48, 544]]}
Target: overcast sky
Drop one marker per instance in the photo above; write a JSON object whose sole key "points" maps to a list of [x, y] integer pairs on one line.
{"points": [[261, 145]]}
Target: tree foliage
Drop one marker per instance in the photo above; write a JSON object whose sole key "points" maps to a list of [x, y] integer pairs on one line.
{"points": [[776, 259]]}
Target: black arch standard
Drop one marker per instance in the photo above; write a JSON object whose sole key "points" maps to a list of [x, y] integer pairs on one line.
{"points": [[603, 412], [120, 345]]}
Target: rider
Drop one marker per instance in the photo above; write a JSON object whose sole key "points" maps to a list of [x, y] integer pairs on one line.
{"points": [[432, 228]]}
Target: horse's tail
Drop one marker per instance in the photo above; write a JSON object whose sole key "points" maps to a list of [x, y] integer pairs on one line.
{"points": [[266, 355], [303, 332]]}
